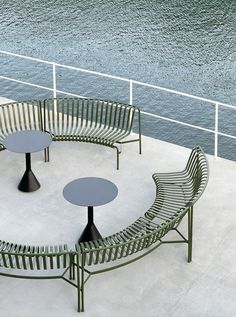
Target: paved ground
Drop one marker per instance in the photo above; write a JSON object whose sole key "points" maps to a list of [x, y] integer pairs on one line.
{"points": [[162, 284]]}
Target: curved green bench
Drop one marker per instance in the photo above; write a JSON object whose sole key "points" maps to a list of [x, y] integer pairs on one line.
{"points": [[73, 119], [176, 193]]}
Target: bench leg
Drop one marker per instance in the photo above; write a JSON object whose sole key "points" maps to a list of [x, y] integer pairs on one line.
{"points": [[80, 284], [190, 233], [46, 154], [117, 158], [139, 132], [72, 268], [140, 146]]}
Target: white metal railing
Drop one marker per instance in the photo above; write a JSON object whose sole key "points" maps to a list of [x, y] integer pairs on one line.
{"points": [[131, 84]]}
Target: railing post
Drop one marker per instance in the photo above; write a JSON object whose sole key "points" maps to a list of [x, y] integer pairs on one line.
{"points": [[216, 129], [131, 92], [54, 80], [131, 96]]}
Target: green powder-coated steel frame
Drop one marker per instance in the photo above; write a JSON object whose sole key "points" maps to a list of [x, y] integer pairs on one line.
{"points": [[176, 193]]}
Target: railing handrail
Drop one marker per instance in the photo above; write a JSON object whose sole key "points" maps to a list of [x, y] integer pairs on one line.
{"points": [[119, 78]]}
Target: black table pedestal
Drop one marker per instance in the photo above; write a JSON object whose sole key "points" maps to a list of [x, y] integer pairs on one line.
{"points": [[27, 142], [90, 192], [29, 182], [90, 232]]}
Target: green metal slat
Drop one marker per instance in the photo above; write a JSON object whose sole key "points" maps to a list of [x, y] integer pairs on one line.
{"points": [[10, 117], [65, 247]]}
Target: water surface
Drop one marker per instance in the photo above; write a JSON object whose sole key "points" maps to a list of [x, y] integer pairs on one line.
{"points": [[184, 45]]}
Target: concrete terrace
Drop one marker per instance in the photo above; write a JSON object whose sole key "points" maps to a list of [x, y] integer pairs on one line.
{"points": [[161, 284]]}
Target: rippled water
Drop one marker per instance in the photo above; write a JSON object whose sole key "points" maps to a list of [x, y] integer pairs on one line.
{"points": [[181, 44]]}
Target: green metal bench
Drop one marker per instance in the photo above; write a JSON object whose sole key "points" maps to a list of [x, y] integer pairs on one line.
{"points": [[73, 119], [176, 194], [95, 121]]}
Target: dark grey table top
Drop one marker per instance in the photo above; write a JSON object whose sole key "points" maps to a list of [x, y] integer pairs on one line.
{"points": [[90, 191], [27, 141]]}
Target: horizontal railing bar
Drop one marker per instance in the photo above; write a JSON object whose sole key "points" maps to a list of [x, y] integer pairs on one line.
{"points": [[188, 125], [42, 87], [176, 121], [122, 79], [227, 135], [226, 105], [66, 66], [26, 83], [92, 72], [27, 57], [182, 93]]}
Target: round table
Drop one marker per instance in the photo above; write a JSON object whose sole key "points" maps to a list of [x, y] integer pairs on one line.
{"points": [[90, 192], [27, 142]]}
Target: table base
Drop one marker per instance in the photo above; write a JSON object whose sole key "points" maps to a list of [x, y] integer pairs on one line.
{"points": [[90, 233], [29, 182]]}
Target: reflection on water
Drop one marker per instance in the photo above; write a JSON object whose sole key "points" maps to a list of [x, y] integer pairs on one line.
{"points": [[185, 45]]}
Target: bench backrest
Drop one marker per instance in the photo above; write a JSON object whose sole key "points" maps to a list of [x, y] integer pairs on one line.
{"points": [[24, 257], [177, 190], [19, 116], [64, 116], [198, 170]]}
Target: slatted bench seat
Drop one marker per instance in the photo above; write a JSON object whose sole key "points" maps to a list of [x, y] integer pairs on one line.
{"points": [[73, 119], [34, 258], [176, 193]]}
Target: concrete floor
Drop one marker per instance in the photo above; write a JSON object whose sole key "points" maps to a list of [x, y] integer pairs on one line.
{"points": [[161, 284]]}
